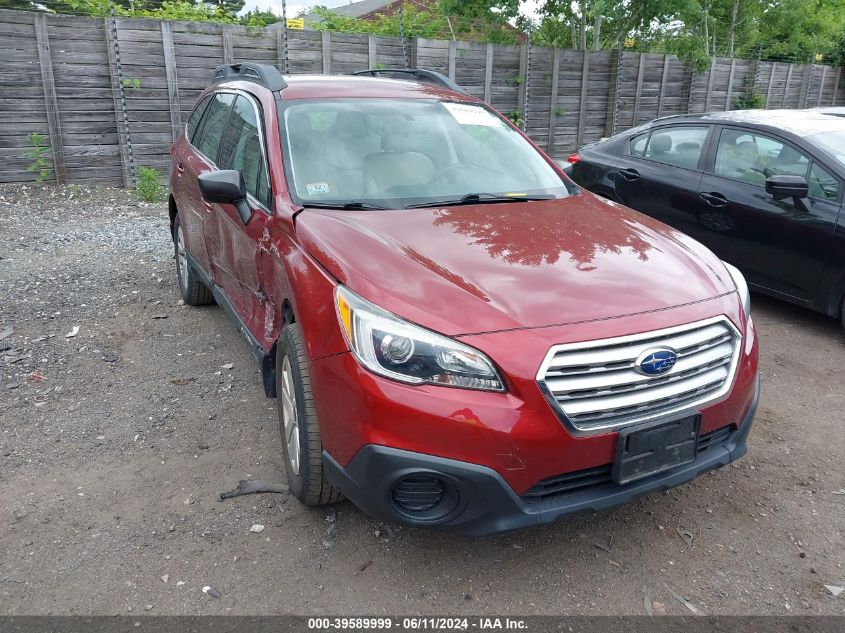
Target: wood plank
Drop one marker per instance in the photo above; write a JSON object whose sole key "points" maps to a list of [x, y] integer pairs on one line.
{"points": [[836, 85], [523, 67], [821, 86], [120, 116], [730, 85], [662, 96], [372, 52], [786, 85], [54, 125], [327, 52], [710, 77], [771, 84], [228, 52], [582, 108], [172, 79], [453, 53], [639, 90], [553, 100], [488, 72], [805, 85]]}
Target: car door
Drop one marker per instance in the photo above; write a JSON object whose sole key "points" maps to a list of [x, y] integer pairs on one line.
{"points": [[660, 172], [184, 162], [233, 246], [780, 245]]}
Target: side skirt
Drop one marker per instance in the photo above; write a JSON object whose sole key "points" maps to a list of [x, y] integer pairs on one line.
{"points": [[266, 360]]}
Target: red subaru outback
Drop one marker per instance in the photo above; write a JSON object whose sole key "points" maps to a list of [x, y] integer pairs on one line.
{"points": [[457, 336]]}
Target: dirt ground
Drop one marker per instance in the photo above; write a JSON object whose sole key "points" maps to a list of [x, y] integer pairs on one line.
{"points": [[115, 443]]}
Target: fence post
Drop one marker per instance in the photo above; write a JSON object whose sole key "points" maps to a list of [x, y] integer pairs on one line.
{"points": [[327, 52], [663, 85], [805, 85], [121, 118], [770, 86], [523, 63], [582, 106], [710, 78], [786, 85], [639, 89], [821, 86], [488, 73], [54, 125], [836, 85], [228, 52], [172, 80], [372, 52], [453, 54], [730, 85], [553, 100], [612, 115]]}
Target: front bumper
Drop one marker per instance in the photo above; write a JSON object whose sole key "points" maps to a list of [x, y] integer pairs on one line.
{"points": [[487, 504]]}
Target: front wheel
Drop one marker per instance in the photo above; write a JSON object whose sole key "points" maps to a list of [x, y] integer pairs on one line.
{"points": [[302, 446]]}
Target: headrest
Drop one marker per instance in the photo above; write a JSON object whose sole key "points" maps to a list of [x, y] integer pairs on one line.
{"points": [[349, 125], [660, 143]]}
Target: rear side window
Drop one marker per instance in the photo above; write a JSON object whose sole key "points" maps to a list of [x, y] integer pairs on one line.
{"points": [[637, 144], [678, 146], [242, 151], [213, 124], [196, 116]]}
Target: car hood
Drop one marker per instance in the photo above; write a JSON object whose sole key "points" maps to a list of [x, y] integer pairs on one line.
{"points": [[484, 268]]}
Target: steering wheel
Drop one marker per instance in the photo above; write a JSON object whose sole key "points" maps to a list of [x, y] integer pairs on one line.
{"points": [[450, 174]]}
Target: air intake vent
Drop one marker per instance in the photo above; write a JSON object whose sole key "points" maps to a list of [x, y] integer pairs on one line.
{"points": [[418, 493]]}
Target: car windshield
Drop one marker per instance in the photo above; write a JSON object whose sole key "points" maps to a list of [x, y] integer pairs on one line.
{"points": [[832, 142], [391, 153]]}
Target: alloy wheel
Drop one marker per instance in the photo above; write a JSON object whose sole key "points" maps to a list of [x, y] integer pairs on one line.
{"points": [[290, 416]]}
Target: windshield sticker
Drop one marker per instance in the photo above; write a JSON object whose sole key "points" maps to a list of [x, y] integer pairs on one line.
{"points": [[466, 114], [316, 188]]}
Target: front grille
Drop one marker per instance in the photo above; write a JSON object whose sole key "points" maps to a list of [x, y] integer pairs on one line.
{"points": [[568, 483], [595, 385]]}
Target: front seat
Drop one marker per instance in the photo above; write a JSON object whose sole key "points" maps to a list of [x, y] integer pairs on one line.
{"points": [[395, 166], [347, 143]]}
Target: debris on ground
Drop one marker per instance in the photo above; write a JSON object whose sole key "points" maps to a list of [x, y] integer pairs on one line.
{"points": [[73, 332], [682, 600], [253, 486], [659, 608], [227, 366], [165, 578], [211, 591], [6, 333], [159, 316], [649, 609], [257, 528], [607, 547], [686, 535], [834, 590]]}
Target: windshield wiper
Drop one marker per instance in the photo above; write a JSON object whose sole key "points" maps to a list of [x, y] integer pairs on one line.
{"points": [[346, 206], [481, 198]]}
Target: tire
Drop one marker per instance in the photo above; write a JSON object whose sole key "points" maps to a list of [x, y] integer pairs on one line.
{"points": [[193, 291], [302, 447]]}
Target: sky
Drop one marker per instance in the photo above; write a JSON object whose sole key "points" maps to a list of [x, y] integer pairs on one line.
{"points": [[295, 6]]}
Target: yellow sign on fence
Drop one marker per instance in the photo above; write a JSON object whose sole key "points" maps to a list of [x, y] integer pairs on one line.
{"points": [[296, 23]]}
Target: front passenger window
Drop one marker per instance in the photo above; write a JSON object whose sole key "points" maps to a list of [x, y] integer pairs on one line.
{"points": [[678, 146], [242, 150], [752, 158]]}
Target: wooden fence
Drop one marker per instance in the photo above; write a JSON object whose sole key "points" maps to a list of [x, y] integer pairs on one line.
{"points": [[60, 78]]}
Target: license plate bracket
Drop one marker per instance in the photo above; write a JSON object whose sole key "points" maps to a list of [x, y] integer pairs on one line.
{"points": [[647, 449]]}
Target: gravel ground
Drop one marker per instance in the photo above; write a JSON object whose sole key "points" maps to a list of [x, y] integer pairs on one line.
{"points": [[116, 442]]}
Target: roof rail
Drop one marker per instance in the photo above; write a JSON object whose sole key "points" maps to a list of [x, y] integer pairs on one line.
{"points": [[420, 74], [264, 74]]}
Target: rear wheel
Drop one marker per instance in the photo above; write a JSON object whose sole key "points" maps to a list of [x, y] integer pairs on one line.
{"points": [[302, 446], [194, 292]]}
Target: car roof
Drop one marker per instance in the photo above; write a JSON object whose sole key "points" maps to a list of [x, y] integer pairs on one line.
{"points": [[800, 122], [346, 86]]}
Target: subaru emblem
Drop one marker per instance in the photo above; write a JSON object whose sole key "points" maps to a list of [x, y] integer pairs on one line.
{"points": [[656, 361]]}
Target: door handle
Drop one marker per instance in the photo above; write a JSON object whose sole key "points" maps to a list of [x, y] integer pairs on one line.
{"points": [[714, 199], [629, 174]]}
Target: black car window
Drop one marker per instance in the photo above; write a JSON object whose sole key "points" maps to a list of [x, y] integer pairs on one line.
{"points": [[241, 149], [214, 122], [753, 157], [822, 184], [680, 146], [636, 145], [196, 116]]}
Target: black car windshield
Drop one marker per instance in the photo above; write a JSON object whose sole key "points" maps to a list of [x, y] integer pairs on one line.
{"points": [[832, 142], [397, 153]]}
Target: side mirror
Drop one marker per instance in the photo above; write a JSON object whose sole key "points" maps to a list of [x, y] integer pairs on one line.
{"points": [[226, 186], [784, 186], [565, 166]]}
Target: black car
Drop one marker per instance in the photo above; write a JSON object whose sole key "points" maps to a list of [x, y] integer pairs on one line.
{"points": [[763, 189]]}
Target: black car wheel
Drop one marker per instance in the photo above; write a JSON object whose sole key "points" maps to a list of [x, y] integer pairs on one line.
{"points": [[301, 443], [194, 292]]}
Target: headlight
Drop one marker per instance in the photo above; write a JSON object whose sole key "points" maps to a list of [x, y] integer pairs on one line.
{"points": [[741, 287], [392, 347]]}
